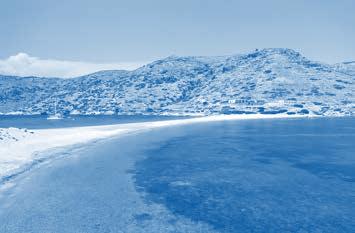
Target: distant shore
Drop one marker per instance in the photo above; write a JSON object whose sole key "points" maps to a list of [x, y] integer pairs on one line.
{"points": [[20, 147]]}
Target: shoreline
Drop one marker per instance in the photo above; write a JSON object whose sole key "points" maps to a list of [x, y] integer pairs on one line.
{"points": [[20, 148]]}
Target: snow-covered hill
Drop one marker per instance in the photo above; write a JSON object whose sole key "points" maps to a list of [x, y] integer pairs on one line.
{"points": [[346, 67], [266, 81]]}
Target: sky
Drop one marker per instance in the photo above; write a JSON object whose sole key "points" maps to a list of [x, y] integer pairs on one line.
{"points": [[73, 37]]}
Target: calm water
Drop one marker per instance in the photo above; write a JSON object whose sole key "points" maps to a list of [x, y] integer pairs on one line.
{"points": [[243, 176], [41, 122]]}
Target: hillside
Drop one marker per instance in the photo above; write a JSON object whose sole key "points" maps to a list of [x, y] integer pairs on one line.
{"points": [[267, 81]]}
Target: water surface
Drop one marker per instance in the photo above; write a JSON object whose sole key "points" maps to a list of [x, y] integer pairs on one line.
{"points": [[257, 176], [41, 122], [284, 175]]}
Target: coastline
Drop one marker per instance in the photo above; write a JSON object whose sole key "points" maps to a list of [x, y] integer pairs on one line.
{"points": [[22, 147]]}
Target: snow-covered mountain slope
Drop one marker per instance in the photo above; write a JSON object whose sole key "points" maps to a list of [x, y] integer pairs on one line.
{"points": [[265, 81], [346, 67]]}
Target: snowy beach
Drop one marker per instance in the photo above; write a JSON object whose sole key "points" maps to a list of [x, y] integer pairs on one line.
{"points": [[20, 147], [167, 179]]}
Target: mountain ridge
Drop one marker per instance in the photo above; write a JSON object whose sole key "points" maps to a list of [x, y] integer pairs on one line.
{"points": [[265, 81]]}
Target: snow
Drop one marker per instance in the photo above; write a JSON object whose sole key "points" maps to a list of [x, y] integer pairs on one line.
{"points": [[20, 147], [193, 85]]}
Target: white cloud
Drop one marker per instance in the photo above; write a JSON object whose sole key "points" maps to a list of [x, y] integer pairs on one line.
{"points": [[22, 64]]}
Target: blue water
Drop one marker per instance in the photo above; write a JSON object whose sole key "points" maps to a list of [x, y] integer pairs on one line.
{"points": [[294, 175], [41, 122], [258, 176]]}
